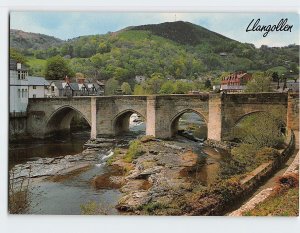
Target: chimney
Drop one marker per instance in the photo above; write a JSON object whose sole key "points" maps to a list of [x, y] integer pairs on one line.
{"points": [[67, 79], [80, 80]]}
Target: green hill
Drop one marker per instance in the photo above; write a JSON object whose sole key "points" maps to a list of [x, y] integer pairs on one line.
{"points": [[28, 40], [184, 33], [180, 50]]}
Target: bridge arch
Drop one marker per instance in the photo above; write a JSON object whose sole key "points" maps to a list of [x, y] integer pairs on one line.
{"points": [[120, 122], [241, 118], [281, 124], [174, 122], [60, 119]]}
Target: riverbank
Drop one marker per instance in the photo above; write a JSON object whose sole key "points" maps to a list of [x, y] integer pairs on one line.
{"points": [[268, 202]]}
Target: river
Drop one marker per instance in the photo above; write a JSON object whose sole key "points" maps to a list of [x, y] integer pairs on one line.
{"points": [[66, 197]]}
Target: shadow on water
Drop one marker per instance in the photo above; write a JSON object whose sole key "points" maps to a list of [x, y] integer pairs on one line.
{"points": [[59, 145]]}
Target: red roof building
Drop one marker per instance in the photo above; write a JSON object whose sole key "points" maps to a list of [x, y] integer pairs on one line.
{"points": [[235, 82]]}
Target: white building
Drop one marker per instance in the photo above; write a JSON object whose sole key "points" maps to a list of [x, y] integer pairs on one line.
{"points": [[140, 78], [18, 87], [37, 87]]}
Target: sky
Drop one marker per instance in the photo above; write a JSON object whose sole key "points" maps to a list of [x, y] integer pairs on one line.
{"points": [[67, 25]]}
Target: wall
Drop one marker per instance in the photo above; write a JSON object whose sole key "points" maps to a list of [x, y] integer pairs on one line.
{"points": [[17, 126], [39, 92], [165, 109], [16, 103], [236, 106], [293, 115]]}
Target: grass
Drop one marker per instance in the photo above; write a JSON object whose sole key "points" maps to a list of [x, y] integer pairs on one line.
{"points": [[18, 196], [94, 208], [134, 151], [37, 66], [286, 204]]}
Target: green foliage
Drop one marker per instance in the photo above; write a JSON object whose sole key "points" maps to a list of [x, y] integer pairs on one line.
{"points": [[245, 158], [152, 207], [16, 55], [261, 129], [94, 208], [57, 68], [135, 150], [179, 50], [126, 89], [138, 90], [167, 88], [283, 204], [260, 82], [36, 66], [111, 86]]}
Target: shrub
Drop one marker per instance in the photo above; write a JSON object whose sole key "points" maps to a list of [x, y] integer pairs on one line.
{"points": [[151, 207], [266, 154], [135, 150], [93, 208], [288, 181]]}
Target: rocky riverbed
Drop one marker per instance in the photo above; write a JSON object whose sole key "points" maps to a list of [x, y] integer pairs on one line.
{"points": [[164, 172]]}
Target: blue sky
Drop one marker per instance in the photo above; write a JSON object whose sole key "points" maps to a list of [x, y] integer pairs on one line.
{"points": [[67, 25]]}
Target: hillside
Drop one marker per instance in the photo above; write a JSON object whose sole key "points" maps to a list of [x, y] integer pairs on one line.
{"points": [[184, 33], [176, 50], [28, 40]]}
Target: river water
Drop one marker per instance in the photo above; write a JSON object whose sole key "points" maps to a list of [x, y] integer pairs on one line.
{"points": [[66, 197]]}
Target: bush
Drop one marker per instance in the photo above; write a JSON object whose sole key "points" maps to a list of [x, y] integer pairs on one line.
{"points": [[245, 158], [135, 150], [288, 181], [151, 207], [93, 208]]}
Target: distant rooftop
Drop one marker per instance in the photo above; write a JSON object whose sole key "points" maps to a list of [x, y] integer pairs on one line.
{"points": [[37, 81]]}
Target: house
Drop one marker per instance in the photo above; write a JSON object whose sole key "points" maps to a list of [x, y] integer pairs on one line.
{"points": [[140, 78], [75, 87], [18, 87], [56, 88], [291, 86], [235, 82], [37, 87]]}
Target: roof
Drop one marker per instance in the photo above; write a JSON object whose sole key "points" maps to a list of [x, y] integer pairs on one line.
{"points": [[37, 81], [74, 86], [233, 87], [57, 83]]}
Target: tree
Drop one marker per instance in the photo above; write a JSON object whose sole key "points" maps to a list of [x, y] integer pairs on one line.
{"points": [[111, 86], [57, 68], [138, 90], [260, 129], [167, 88], [207, 84], [16, 55], [260, 82], [126, 89]]}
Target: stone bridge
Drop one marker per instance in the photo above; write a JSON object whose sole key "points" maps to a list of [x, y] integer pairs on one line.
{"points": [[109, 115]]}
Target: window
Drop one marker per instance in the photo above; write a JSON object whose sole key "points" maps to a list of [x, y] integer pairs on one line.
{"points": [[34, 95], [22, 93], [19, 93], [26, 96], [33, 87], [52, 88], [19, 75]]}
